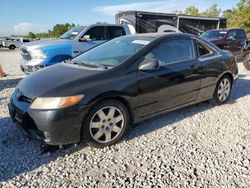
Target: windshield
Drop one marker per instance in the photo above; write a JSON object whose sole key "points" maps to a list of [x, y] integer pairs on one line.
{"points": [[72, 33], [214, 34], [114, 52]]}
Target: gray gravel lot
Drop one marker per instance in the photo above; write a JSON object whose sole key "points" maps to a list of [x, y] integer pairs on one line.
{"points": [[198, 146]]}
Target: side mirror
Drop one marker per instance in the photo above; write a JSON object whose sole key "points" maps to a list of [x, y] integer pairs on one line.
{"points": [[85, 38], [149, 64]]}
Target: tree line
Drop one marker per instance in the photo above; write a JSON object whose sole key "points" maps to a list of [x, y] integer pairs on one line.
{"points": [[238, 16], [57, 31]]}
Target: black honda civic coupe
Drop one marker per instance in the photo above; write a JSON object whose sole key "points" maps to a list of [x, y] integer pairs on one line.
{"points": [[98, 94]]}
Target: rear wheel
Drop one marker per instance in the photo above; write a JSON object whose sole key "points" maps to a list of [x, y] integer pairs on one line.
{"points": [[12, 47], [222, 91], [105, 124]]}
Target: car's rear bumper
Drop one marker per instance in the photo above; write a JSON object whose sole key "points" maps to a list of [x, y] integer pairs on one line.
{"points": [[54, 127]]}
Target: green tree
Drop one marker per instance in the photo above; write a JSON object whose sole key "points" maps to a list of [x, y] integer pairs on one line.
{"points": [[239, 16], [193, 11], [101, 22], [31, 35], [57, 31], [212, 11]]}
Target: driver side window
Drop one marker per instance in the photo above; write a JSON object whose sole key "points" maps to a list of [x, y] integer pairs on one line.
{"points": [[96, 33], [231, 34], [173, 51]]}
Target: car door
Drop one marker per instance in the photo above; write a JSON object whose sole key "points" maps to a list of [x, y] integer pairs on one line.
{"points": [[231, 42], [177, 80], [240, 39], [97, 35]]}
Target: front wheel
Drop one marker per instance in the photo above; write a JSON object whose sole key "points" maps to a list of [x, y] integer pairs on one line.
{"points": [[222, 91], [105, 124]]}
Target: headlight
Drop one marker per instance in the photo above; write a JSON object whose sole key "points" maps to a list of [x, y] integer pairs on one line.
{"points": [[37, 54], [50, 103]]}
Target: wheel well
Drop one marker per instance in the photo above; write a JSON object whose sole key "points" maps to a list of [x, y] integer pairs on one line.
{"points": [[230, 75]]}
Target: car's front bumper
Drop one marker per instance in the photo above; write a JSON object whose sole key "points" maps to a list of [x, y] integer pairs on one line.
{"points": [[29, 66], [54, 127]]}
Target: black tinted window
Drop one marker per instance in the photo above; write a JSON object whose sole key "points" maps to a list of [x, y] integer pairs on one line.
{"points": [[172, 51], [203, 49], [25, 40], [96, 33], [231, 34], [241, 34], [115, 31]]}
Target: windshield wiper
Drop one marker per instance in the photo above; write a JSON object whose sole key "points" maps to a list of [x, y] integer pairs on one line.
{"points": [[82, 63]]}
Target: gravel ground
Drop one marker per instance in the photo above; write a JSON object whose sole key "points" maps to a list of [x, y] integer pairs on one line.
{"points": [[198, 146]]}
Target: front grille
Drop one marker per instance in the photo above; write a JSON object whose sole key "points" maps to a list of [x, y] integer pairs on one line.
{"points": [[25, 54]]}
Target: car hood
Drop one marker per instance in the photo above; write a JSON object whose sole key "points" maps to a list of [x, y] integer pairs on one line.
{"points": [[58, 80], [47, 42]]}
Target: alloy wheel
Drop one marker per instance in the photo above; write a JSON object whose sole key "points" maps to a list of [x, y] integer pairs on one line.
{"points": [[224, 89], [106, 124]]}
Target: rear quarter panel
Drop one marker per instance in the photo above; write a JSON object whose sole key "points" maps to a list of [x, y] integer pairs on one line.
{"points": [[212, 69]]}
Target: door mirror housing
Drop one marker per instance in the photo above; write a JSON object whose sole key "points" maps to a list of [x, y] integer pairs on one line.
{"points": [[85, 38], [149, 64]]}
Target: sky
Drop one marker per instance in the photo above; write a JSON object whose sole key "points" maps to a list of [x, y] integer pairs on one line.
{"points": [[22, 16]]}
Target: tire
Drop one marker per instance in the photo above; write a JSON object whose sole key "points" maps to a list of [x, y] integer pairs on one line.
{"points": [[222, 91], [12, 47], [246, 63], [105, 124]]}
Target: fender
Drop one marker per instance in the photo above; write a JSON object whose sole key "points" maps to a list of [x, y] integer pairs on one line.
{"points": [[57, 53], [223, 74], [125, 99]]}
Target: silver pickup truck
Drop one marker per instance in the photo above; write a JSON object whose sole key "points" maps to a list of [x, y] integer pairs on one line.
{"points": [[43, 53], [13, 43]]}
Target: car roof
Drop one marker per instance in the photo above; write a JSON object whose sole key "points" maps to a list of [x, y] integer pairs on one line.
{"points": [[225, 29], [159, 35], [104, 24]]}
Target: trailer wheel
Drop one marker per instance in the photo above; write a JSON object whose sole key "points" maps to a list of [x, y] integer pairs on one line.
{"points": [[12, 47]]}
